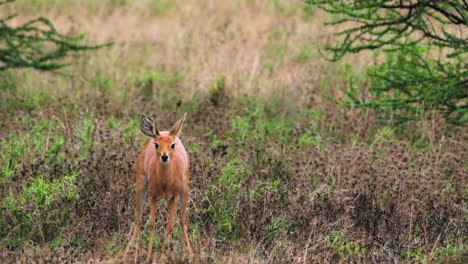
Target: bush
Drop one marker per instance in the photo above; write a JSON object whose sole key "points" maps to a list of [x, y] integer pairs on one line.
{"points": [[410, 84], [36, 44]]}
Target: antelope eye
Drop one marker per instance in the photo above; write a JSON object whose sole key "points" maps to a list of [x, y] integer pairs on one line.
{"points": [[172, 145], [156, 144]]}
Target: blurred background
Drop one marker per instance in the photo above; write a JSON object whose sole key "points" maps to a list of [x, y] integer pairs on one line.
{"points": [[305, 147]]}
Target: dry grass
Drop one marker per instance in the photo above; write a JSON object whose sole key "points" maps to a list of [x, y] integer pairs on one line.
{"points": [[385, 201], [260, 47], [281, 175]]}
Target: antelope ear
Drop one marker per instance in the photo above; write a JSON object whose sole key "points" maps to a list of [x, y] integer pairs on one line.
{"points": [[177, 126], [147, 126]]}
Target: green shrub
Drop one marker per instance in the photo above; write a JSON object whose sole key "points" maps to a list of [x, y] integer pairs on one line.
{"points": [[412, 83], [224, 196], [38, 196]]}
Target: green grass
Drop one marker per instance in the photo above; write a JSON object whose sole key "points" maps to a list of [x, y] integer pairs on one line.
{"points": [[305, 54], [35, 191], [344, 248], [70, 142]]}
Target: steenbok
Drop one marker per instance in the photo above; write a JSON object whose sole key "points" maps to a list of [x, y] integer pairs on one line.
{"points": [[163, 169]]}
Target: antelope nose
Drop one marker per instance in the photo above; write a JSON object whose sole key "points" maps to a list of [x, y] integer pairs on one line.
{"points": [[164, 157]]}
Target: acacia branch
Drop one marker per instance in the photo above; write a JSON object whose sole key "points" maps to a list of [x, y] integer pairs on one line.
{"points": [[37, 44], [406, 18]]}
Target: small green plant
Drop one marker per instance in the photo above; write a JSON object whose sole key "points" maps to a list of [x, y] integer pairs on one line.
{"points": [[448, 251], [275, 51], [145, 237], [56, 148], [8, 81], [308, 11], [258, 126], [307, 139], [27, 210], [304, 55], [44, 192], [130, 133], [161, 7], [224, 195], [103, 83], [85, 133], [117, 3], [218, 91], [112, 123], [338, 239], [418, 255], [291, 8], [278, 228], [12, 150], [383, 134], [113, 246], [158, 85]]}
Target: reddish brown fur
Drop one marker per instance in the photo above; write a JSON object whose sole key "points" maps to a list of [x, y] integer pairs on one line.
{"points": [[165, 181]]}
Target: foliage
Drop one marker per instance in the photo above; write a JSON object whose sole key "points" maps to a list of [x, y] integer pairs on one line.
{"points": [[36, 44], [259, 177], [410, 84], [39, 197], [278, 175]]}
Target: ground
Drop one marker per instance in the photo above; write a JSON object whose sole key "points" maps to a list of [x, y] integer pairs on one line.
{"points": [[281, 172]]}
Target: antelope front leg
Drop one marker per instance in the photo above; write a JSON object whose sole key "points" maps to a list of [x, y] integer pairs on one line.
{"points": [[136, 230], [183, 222], [152, 206], [141, 192], [170, 224]]}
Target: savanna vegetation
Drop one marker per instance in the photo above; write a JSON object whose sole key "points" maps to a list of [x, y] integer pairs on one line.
{"points": [[295, 159]]}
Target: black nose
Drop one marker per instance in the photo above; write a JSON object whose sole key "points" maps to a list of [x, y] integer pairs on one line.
{"points": [[164, 157]]}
